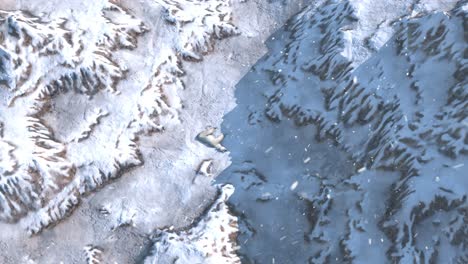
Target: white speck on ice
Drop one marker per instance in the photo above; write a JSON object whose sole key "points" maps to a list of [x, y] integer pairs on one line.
{"points": [[294, 186]]}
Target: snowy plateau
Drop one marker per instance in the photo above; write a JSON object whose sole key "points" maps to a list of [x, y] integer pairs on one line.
{"points": [[233, 131]]}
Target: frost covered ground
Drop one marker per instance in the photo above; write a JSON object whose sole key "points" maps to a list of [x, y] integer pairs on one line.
{"points": [[346, 142]]}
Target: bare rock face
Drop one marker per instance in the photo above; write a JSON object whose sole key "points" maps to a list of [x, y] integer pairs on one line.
{"points": [[389, 99]]}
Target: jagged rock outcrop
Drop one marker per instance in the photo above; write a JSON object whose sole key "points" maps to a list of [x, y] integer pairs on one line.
{"points": [[93, 254]]}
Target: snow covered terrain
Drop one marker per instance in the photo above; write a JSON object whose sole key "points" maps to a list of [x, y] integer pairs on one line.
{"points": [[101, 105], [41, 60], [128, 134], [212, 240]]}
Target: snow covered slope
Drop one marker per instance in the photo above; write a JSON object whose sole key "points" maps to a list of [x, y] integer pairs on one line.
{"points": [[45, 176], [47, 171], [212, 240]]}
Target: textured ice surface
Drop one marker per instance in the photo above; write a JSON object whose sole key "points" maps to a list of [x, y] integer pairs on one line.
{"points": [[349, 139]]}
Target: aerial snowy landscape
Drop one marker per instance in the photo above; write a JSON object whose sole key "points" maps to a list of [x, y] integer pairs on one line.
{"points": [[233, 131]]}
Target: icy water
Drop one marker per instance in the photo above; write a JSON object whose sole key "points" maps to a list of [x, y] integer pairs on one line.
{"points": [[334, 164], [275, 169]]}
